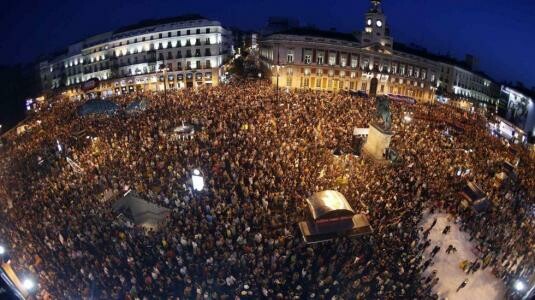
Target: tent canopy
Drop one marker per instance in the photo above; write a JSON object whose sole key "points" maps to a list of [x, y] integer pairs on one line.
{"points": [[329, 204], [137, 106], [140, 211], [96, 106]]}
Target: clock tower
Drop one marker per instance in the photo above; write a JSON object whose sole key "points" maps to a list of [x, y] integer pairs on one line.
{"points": [[376, 31]]}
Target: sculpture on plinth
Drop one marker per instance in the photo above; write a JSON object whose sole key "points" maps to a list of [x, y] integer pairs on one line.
{"points": [[382, 107], [380, 134]]}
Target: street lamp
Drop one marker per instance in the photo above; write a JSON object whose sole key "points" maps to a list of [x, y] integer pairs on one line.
{"points": [[197, 180], [407, 117], [28, 284], [519, 285], [164, 71], [2, 250]]}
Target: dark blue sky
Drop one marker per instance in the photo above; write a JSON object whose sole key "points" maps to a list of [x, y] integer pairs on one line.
{"points": [[499, 32]]}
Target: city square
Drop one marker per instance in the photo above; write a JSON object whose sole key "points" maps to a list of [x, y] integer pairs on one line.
{"points": [[162, 161]]}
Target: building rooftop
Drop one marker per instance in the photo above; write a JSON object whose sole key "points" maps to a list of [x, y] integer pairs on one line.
{"points": [[154, 22], [422, 52], [309, 31]]}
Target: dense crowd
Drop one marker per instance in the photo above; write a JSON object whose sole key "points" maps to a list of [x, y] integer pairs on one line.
{"points": [[262, 155]]}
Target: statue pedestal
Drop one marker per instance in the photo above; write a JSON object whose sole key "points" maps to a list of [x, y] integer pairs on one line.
{"points": [[377, 143]]}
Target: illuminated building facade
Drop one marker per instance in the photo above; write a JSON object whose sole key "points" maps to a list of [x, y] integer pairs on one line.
{"points": [[517, 109], [305, 58], [463, 83], [185, 51]]}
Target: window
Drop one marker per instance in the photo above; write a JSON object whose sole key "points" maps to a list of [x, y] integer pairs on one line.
{"points": [[135, 40], [160, 35], [197, 52], [354, 63], [308, 59], [402, 70], [169, 34], [197, 42], [289, 80], [198, 63], [332, 60], [179, 66], [160, 57], [207, 30], [169, 55], [208, 64], [343, 61], [318, 82], [363, 87], [188, 65], [394, 68], [319, 59], [198, 31], [290, 57], [178, 33], [207, 52], [306, 82], [207, 42], [188, 53]]}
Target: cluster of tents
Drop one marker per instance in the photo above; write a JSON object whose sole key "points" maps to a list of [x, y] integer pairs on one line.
{"points": [[108, 107]]}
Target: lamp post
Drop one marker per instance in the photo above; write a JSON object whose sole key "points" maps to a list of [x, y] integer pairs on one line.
{"points": [[197, 180], [164, 71]]}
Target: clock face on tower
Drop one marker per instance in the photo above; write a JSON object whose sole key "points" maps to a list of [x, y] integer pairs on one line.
{"points": [[369, 22], [379, 23]]}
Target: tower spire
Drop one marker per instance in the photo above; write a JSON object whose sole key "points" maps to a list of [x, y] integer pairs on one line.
{"points": [[376, 6]]}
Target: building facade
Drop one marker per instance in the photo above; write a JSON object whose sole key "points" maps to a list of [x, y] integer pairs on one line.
{"points": [[307, 58], [517, 109], [462, 83], [185, 51]]}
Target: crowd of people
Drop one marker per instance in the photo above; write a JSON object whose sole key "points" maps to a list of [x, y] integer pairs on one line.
{"points": [[262, 153]]}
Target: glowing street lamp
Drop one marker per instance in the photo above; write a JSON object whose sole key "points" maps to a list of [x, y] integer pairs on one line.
{"points": [[519, 285], [28, 284], [197, 180], [407, 117], [2, 250]]}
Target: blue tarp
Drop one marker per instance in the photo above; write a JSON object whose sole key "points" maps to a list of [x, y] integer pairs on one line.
{"points": [[136, 106], [95, 106]]}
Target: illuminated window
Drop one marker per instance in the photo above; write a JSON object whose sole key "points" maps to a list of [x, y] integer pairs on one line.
{"points": [[332, 59], [308, 59], [290, 57], [319, 59], [343, 61], [354, 63]]}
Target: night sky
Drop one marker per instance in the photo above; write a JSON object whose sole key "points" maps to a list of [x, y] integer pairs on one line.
{"points": [[499, 32]]}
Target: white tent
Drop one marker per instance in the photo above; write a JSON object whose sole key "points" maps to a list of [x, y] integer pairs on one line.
{"points": [[141, 212]]}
